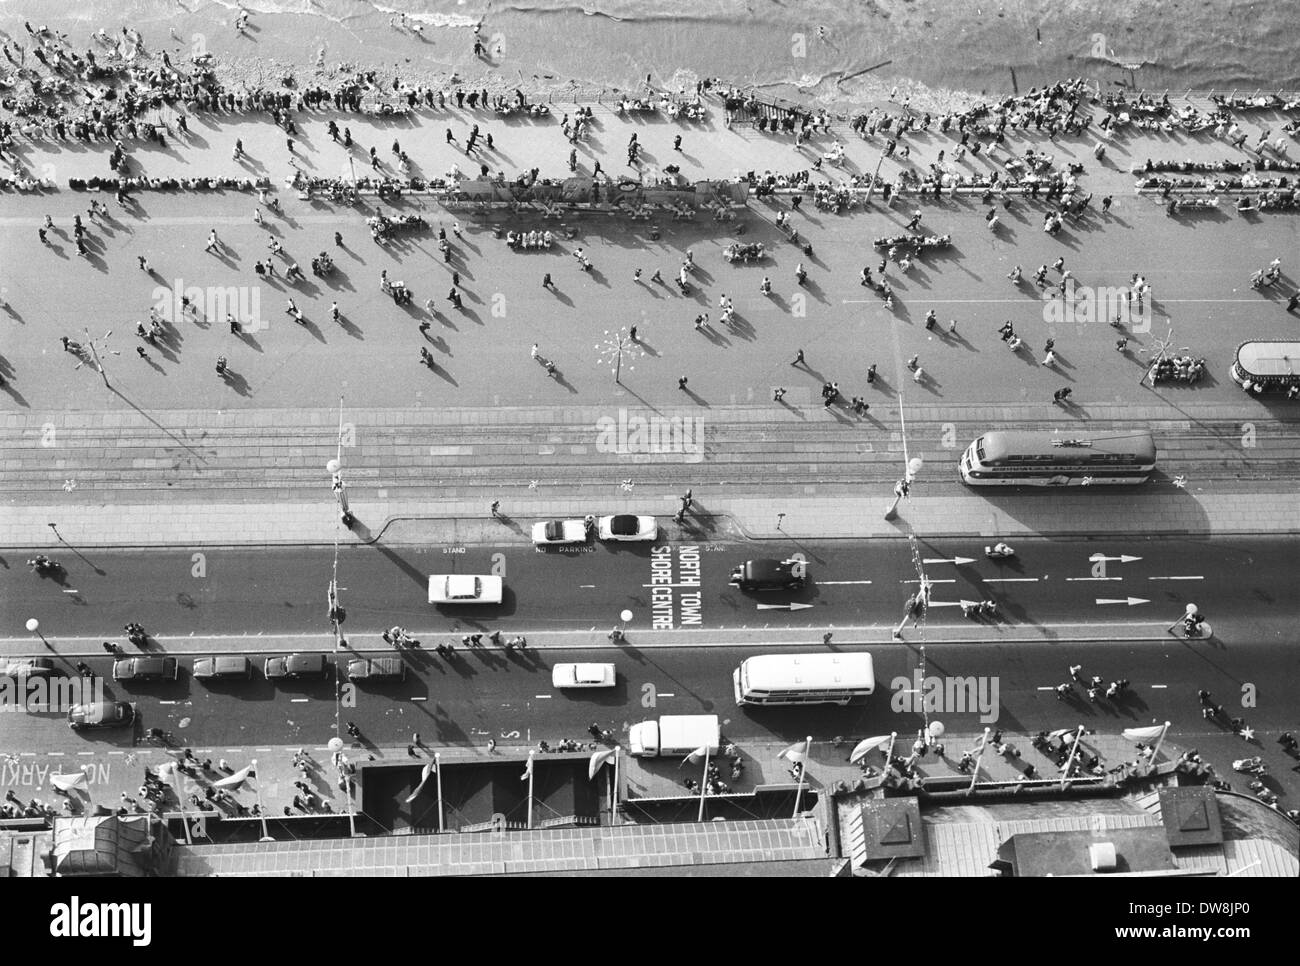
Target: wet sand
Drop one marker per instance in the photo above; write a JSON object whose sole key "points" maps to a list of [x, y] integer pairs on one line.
{"points": [[834, 52]]}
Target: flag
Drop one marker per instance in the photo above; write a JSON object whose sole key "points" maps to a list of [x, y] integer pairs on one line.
{"points": [[597, 760], [425, 772], [798, 752], [67, 783], [868, 744], [528, 770], [1143, 734], [695, 756], [235, 780]]}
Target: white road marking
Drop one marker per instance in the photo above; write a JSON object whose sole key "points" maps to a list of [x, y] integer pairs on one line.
{"points": [[677, 586], [1175, 578], [837, 583], [27, 754], [1159, 687], [932, 580], [166, 702], [587, 586], [1010, 580], [951, 560], [86, 754], [542, 697], [56, 754], [1123, 600], [1094, 578], [261, 749], [231, 751], [1046, 687], [419, 699], [667, 694], [298, 700], [117, 752], [70, 590]]}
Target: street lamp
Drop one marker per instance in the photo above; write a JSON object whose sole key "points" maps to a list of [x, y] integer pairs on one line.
{"points": [[34, 626], [904, 486]]}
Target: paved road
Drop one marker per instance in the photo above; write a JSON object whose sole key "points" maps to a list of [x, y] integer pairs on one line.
{"points": [[464, 701], [1243, 584]]}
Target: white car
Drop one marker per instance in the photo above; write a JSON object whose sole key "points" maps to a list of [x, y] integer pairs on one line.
{"points": [[552, 532], [583, 676], [464, 589], [625, 526]]}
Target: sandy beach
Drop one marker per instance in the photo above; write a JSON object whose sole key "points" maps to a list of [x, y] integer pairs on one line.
{"points": [[834, 52]]}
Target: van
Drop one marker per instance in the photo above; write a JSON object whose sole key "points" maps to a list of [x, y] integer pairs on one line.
{"points": [[377, 669], [224, 666], [675, 734], [296, 666]]}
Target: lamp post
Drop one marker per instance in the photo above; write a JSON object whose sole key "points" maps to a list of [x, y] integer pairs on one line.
{"points": [[34, 626]]}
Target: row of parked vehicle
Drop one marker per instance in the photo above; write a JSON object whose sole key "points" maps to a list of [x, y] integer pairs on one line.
{"points": [[225, 667]]}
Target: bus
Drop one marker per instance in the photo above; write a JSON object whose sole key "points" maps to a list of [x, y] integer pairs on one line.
{"points": [[1268, 367], [1002, 458], [803, 679]]}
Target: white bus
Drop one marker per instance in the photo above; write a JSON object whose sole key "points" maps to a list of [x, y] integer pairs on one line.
{"points": [[804, 678], [1002, 458]]}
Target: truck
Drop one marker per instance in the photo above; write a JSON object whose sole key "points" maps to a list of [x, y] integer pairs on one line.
{"points": [[675, 734]]}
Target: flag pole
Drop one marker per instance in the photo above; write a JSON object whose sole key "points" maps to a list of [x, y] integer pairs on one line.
{"points": [[530, 789], [1159, 741], [803, 773], [613, 795], [180, 798], [437, 768], [704, 784]]}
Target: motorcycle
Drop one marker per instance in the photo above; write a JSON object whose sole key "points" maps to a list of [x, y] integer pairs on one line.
{"points": [[43, 566], [1253, 766], [999, 551]]}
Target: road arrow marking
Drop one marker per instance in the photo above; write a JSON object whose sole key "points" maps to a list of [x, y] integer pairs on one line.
{"points": [[952, 560], [1010, 580], [1175, 578], [1122, 558], [1122, 600], [1094, 578], [784, 606], [837, 583]]}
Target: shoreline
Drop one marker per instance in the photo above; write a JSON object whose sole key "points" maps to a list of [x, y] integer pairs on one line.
{"points": [[935, 58]]}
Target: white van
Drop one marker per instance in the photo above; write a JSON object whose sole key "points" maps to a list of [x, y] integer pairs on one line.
{"points": [[675, 734], [465, 589]]}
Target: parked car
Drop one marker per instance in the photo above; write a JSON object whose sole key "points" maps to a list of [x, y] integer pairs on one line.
{"points": [[377, 669], [583, 676], [101, 714], [625, 526], [146, 669], [222, 667], [296, 666], [465, 589], [552, 532], [766, 573], [26, 667]]}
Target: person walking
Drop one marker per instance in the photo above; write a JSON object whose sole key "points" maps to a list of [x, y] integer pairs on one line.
{"points": [[677, 143], [778, 394], [681, 383], [798, 359], [914, 363], [143, 262], [495, 509], [211, 246], [546, 281], [1062, 395]]}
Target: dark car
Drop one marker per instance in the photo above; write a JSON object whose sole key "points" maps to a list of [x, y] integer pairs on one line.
{"points": [[101, 714], [766, 573], [296, 666], [146, 669]]}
